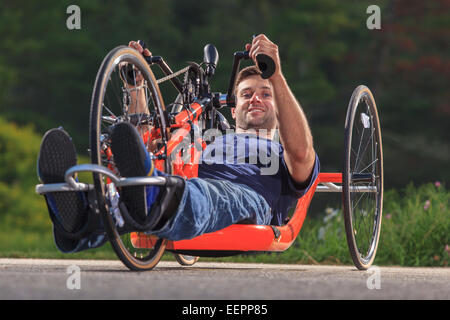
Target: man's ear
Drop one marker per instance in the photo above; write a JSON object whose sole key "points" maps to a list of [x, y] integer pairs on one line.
{"points": [[233, 113]]}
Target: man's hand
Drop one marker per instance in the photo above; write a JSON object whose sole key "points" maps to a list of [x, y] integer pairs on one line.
{"points": [[262, 44], [138, 47], [133, 81], [138, 78]]}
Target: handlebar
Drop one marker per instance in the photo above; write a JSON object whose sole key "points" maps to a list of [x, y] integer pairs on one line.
{"points": [[265, 64], [238, 55]]}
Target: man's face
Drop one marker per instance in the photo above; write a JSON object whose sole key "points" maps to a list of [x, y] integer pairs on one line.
{"points": [[254, 105]]}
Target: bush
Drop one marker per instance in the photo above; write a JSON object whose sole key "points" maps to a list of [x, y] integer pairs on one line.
{"points": [[416, 226], [415, 231], [24, 220], [19, 204]]}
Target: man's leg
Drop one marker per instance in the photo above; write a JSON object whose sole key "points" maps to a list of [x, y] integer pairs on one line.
{"points": [[143, 207], [74, 229], [210, 205], [197, 206]]}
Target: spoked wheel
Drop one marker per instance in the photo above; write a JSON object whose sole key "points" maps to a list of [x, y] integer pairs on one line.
{"points": [[125, 90], [185, 260], [362, 178]]}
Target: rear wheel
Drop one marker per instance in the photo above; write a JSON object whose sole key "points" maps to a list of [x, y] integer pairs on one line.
{"points": [[362, 178], [125, 90]]}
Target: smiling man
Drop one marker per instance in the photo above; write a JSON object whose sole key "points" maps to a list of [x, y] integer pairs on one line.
{"points": [[255, 109], [262, 107], [270, 104], [255, 179]]}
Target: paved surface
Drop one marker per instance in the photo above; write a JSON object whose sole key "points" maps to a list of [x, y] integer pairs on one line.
{"points": [[59, 279]]}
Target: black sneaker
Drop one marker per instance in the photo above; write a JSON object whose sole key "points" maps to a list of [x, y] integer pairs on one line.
{"points": [[68, 210], [151, 207], [132, 160]]}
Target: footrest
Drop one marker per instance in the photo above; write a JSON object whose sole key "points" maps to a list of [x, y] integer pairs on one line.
{"points": [[62, 187], [72, 185]]}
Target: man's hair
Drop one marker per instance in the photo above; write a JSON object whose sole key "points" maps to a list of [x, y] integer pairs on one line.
{"points": [[245, 73]]}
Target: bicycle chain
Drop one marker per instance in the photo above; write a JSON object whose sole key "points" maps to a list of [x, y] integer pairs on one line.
{"points": [[173, 75]]}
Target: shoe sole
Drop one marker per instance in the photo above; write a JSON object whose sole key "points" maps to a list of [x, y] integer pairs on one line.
{"points": [[56, 155], [130, 157]]}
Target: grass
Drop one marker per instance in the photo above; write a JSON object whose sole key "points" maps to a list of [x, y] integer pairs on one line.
{"points": [[415, 232], [416, 227]]}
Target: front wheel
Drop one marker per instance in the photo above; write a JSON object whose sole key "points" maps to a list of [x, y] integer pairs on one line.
{"points": [[125, 90], [362, 178]]}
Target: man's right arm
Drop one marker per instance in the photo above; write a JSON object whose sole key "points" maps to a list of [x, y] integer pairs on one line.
{"points": [[295, 134], [138, 99]]}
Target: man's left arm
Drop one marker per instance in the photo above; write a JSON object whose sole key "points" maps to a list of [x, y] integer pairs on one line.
{"points": [[293, 127]]}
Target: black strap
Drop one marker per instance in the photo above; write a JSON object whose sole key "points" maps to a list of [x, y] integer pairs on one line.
{"points": [[162, 210], [92, 223]]}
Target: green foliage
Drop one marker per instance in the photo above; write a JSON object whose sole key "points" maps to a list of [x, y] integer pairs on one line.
{"points": [[416, 226], [18, 154], [415, 231], [23, 213]]}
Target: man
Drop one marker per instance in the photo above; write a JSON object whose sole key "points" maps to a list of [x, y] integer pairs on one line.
{"points": [[225, 192]]}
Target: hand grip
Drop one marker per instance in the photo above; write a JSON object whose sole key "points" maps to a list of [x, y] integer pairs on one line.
{"points": [[266, 65], [211, 58], [149, 59], [142, 43]]}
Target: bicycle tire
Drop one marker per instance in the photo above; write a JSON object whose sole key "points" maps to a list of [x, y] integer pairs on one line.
{"points": [[185, 260], [111, 73], [362, 178]]}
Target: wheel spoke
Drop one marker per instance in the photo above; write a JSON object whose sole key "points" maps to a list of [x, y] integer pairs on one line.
{"points": [[370, 164], [364, 150]]}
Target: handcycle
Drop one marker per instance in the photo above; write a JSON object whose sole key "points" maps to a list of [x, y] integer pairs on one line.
{"points": [[127, 90]]}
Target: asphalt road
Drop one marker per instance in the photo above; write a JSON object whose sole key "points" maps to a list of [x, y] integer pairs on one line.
{"points": [[82, 279]]}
